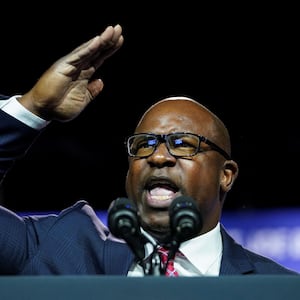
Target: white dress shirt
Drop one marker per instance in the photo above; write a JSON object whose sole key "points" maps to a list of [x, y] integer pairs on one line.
{"points": [[202, 256]]}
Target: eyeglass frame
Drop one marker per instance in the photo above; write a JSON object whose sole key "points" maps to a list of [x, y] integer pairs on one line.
{"points": [[162, 138]]}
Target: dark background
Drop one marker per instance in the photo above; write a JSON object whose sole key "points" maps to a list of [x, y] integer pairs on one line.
{"points": [[231, 58]]}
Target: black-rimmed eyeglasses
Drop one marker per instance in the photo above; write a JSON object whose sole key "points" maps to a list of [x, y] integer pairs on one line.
{"points": [[179, 144]]}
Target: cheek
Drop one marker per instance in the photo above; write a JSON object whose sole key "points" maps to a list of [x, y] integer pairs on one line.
{"points": [[134, 174], [202, 181]]}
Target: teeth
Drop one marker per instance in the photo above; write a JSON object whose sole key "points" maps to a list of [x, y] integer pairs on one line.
{"points": [[162, 197]]}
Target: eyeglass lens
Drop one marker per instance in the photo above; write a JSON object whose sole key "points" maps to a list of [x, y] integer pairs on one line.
{"points": [[178, 144]]}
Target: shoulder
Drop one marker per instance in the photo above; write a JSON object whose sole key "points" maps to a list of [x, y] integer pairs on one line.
{"points": [[84, 218], [77, 220], [238, 258], [266, 265]]}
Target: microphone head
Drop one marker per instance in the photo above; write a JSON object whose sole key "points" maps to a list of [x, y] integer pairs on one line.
{"points": [[185, 218], [123, 222], [122, 218]]}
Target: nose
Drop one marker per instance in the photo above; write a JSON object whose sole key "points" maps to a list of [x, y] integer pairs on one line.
{"points": [[161, 157]]}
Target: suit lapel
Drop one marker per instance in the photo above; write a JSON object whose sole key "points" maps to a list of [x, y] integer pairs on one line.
{"points": [[117, 258], [234, 258]]}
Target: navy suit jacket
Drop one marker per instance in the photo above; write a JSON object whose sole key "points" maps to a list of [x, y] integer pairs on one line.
{"points": [[76, 241]]}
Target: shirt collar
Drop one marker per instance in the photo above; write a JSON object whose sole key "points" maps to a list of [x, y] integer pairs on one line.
{"points": [[205, 251]]}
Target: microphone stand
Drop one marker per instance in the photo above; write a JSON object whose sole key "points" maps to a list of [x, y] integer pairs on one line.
{"points": [[152, 264]]}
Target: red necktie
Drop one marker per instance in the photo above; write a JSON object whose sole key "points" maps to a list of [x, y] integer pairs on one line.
{"points": [[170, 270]]}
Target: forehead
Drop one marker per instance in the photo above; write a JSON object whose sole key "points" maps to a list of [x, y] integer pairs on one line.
{"points": [[176, 115]]}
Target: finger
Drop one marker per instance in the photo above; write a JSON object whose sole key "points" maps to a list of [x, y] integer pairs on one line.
{"points": [[104, 45], [95, 87], [116, 34]]}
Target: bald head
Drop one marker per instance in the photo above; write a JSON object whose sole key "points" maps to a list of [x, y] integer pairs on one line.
{"points": [[183, 114]]}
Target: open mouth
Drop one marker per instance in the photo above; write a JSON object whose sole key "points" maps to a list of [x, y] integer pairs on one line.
{"points": [[161, 192]]}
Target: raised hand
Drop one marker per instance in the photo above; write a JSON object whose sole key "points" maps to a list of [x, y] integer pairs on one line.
{"points": [[67, 87]]}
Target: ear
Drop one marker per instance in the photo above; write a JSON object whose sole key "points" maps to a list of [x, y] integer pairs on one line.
{"points": [[229, 174]]}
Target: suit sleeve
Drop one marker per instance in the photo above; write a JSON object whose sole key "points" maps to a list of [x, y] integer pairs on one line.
{"points": [[15, 139]]}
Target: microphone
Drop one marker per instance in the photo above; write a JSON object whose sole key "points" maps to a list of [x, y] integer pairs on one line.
{"points": [[123, 222], [185, 218], [185, 221]]}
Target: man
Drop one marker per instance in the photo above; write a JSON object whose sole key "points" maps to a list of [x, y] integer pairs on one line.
{"points": [[179, 149]]}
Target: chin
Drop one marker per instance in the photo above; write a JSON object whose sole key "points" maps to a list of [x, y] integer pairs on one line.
{"points": [[160, 233]]}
